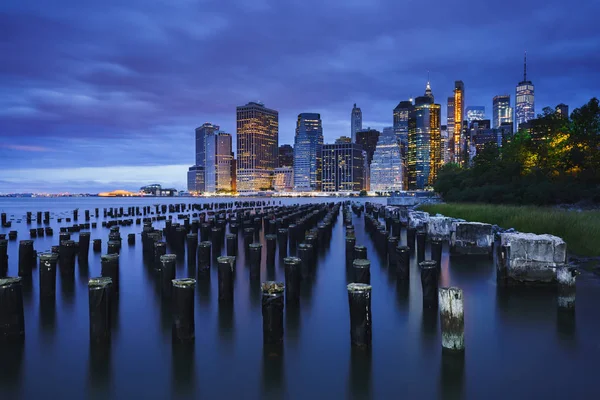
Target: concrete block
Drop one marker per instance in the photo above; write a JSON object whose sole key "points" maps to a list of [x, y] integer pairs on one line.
{"points": [[418, 220], [471, 238], [440, 227]]}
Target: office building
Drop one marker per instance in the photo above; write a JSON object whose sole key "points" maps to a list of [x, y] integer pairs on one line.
{"points": [[386, 166], [505, 131], [223, 157], [308, 144], [524, 99], [481, 134], [201, 133], [286, 156], [424, 143], [368, 138], [401, 116], [459, 112], [284, 179], [445, 144], [502, 111], [343, 139], [450, 126], [195, 179], [355, 122], [475, 113], [257, 146], [343, 167]]}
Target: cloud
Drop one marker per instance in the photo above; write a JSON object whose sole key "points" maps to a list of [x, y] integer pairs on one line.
{"points": [[126, 82]]}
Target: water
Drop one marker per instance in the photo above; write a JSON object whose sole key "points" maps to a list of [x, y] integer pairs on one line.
{"points": [[517, 344]]}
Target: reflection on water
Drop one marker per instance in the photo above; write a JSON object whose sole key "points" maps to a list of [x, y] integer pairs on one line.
{"points": [[67, 288], [452, 375], [100, 368], [273, 371], [11, 365], [47, 317], [183, 368], [292, 325], [403, 294], [429, 325], [566, 325], [226, 322], [360, 385]]}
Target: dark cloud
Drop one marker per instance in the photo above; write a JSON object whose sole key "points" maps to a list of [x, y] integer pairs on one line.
{"points": [[124, 83]]}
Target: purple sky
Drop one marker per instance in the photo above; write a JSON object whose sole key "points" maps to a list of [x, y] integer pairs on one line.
{"points": [[104, 95]]}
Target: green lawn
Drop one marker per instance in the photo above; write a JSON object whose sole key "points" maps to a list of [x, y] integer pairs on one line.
{"points": [[581, 230]]}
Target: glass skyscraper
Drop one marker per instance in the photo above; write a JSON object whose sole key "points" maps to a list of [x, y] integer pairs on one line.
{"points": [[386, 166], [355, 122], [257, 146], [401, 116], [343, 167], [502, 110], [524, 99], [308, 144], [459, 113], [450, 127], [424, 143], [475, 113], [196, 173]]}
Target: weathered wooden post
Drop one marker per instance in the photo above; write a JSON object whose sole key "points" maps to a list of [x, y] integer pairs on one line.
{"points": [[436, 251], [360, 252], [167, 274], [421, 239], [48, 274], [282, 236], [429, 283], [411, 233], [183, 328], [271, 246], [110, 269], [12, 318], [204, 249], [192, 246], [26, 257], [292, 279], [255, 251], [100, 297], [403, 263], [272, 311], [97, 245], [359, 299], [452, 319], [84, 246], [226, 265], [362, 270], [566, 277], [350, 243], [232, 244]]}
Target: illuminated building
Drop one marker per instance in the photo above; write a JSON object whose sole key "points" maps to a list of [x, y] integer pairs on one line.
{"points": [[424, 143], [481, 134], [257, 146], [401, 116], [355, 122], [343, 139], [450, 127], [286, 156], [367, 138], [195, 179], [524, 99], [459, 108], [386, 166], [343, 167], [505, 131], [502, 110], [475, 113], [445, 144], [223, 157], [308, 144], [284, 179]]}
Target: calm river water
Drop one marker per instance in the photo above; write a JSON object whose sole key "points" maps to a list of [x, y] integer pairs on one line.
{"points": [[517, 344]]}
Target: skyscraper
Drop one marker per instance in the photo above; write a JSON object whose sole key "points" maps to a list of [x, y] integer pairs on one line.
{"points": [[201, 132], [502, 110], [196, 173], [386, 167], [257, 146], [355, 122], [401, 116], [223, 159], [445, 144], [367, 138], [424, 143], [475, 113], [286, 155], [308, 144], [459, 112], [450, 127], [343, 167], [524, 99]]}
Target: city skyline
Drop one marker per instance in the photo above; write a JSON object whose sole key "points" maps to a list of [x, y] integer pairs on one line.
{"points": [[122, 112]]}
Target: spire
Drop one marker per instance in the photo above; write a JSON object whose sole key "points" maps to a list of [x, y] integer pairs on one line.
{"points": [[428, 88], [525, 67]]}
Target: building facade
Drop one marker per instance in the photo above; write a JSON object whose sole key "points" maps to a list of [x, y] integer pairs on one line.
{"points": [[368, 138], [502, 110], [355, 122], [450, 126], [424, 143], [257, 146], [459, 112], [386, 167], [524, 99], [475, 113], [401, 116], [284, 179], [223, 158], [343, 167], [195, 179], [562, 110], [308, 145], [286, 156], [445, 144]]}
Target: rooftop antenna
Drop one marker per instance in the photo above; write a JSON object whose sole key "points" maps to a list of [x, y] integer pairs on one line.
{"points": [[525, 67]]}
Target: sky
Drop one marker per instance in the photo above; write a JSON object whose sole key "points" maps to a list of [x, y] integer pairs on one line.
{"points": [[97, 96]]}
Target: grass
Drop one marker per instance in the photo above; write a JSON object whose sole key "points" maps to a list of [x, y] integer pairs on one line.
{"points": [[581, 230]]}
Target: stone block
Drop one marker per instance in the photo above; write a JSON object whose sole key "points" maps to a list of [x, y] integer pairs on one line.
{"points": [[440, 228], [471, 238]]}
